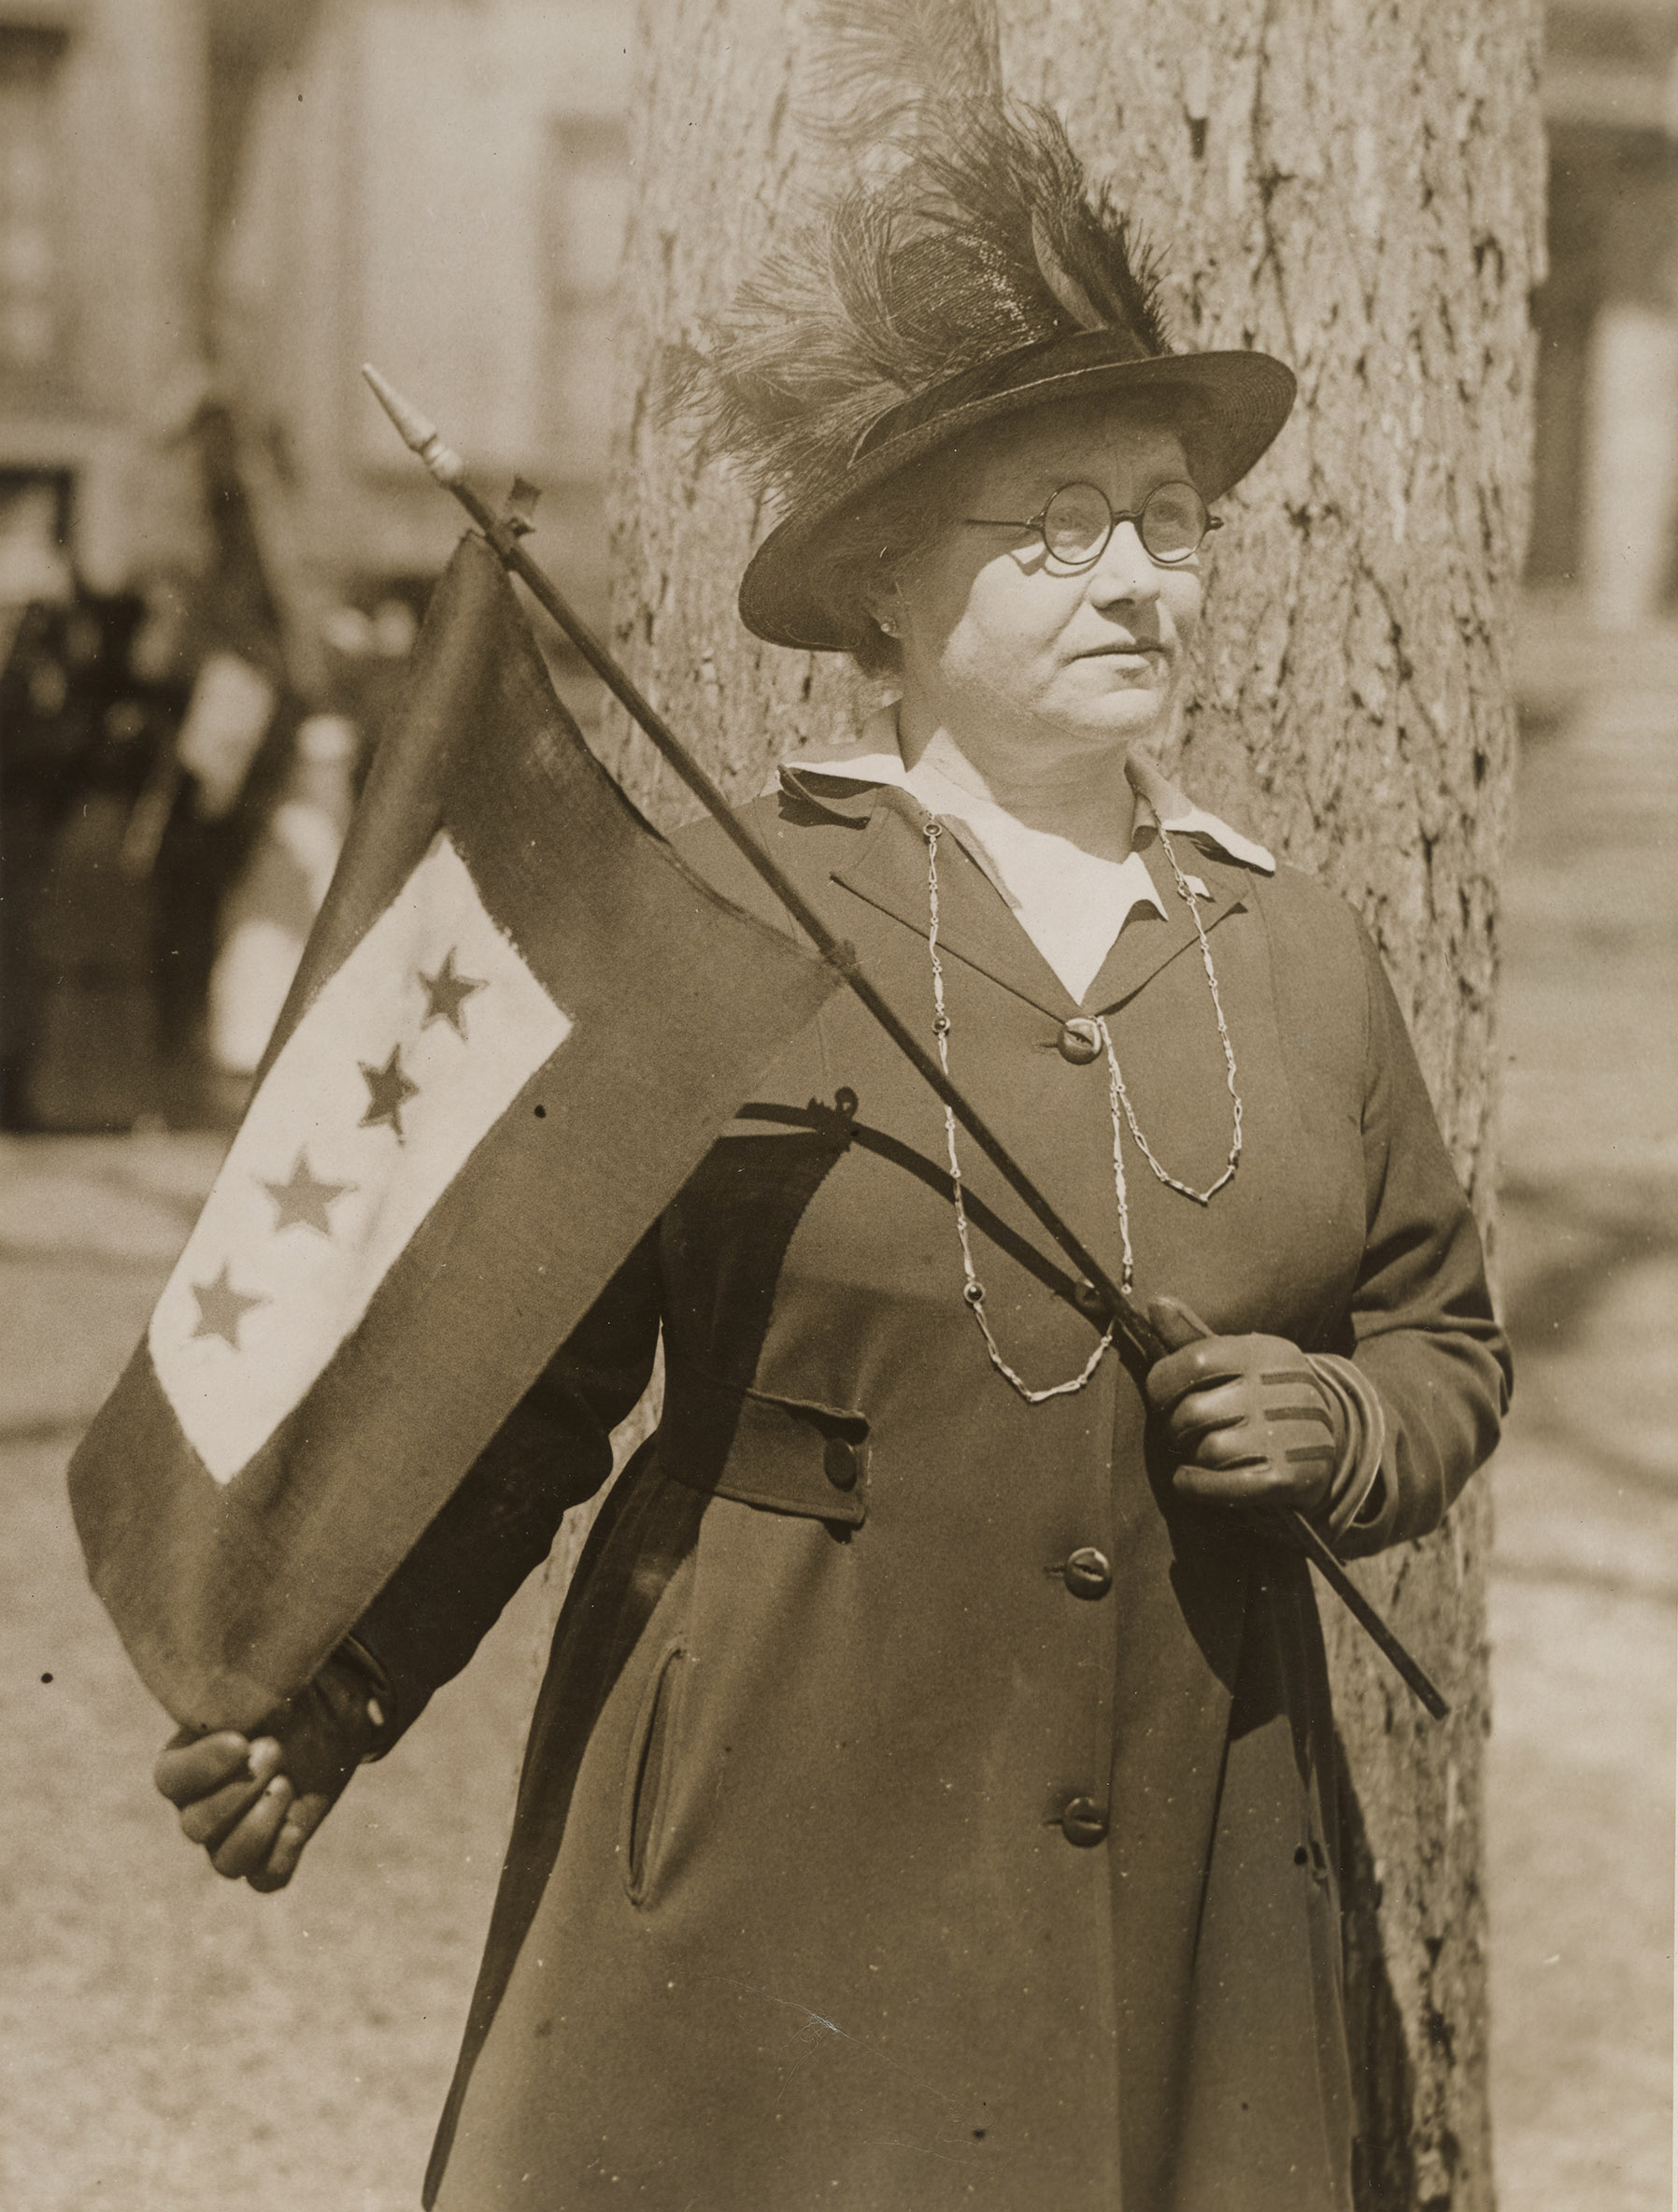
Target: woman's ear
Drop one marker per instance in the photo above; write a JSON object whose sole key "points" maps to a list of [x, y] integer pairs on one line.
{"points": [[884, 606]]}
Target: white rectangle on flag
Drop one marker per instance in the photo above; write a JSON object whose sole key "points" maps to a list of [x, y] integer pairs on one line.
{"points": [[403, 1064]]}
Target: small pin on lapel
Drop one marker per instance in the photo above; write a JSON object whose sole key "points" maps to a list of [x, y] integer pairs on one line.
{"points": [[519, 512]]}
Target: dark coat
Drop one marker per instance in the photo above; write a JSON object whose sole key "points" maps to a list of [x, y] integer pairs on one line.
{"points": [[795, 1912]]}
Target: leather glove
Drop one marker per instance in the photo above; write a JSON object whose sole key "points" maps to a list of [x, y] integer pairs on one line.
{"points": [[254, 1801], [1247, 1419]]}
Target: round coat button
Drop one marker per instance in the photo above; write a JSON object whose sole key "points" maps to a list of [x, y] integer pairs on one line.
{"points": [[1088, 1573], [1079, 1041], [839, 1464], [1083, 1823]]}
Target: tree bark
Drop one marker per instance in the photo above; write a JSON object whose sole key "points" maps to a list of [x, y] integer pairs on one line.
{"points": [[1357, 186], [715, 150]]}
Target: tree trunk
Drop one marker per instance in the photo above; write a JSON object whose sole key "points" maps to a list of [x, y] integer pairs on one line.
{"points": [[1357, 186]]}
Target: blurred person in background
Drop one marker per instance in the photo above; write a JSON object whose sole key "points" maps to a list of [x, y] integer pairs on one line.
{"points": [[82, 730], [36, 589], [174, 784], [232, 754]]}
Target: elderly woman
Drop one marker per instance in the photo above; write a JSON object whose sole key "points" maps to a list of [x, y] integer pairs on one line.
{"points": [[931, 1800]]}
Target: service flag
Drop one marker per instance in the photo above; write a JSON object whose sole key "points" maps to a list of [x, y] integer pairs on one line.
{"points": [[520, 1022]]}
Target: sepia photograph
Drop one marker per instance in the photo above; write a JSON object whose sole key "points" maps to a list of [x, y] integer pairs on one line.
{"points": [[838, 1105]]}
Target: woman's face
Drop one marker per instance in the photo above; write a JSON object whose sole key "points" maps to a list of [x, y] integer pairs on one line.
{"points": [[1022, 663]]}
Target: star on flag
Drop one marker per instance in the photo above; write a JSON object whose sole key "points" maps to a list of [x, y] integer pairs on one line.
{"points": [[389, 1091], [447, 992], [221, 1309], [305, 1199]]}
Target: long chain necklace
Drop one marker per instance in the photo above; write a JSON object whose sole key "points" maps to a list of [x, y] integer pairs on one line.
{"points": [[1118, 1107]]}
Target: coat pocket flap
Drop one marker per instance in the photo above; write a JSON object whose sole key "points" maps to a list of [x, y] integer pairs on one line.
{"points": [[790, 1455]]}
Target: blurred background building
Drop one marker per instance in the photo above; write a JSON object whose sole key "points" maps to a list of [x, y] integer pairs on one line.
{"points": [[272, 191], [1606, 502], [213, 551]]}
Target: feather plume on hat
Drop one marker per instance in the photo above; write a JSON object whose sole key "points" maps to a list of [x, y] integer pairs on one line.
{"points": [[871, 70], [960, 268], [982, 239]]}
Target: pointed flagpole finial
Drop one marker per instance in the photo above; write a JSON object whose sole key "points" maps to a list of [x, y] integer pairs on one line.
{"points": [[417, 433]]}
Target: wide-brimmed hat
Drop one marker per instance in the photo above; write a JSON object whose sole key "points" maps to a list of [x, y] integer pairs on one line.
{"points": [[980, 277]]}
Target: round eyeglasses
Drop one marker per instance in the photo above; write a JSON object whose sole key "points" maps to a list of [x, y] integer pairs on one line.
{"points": [[1078, 522]]}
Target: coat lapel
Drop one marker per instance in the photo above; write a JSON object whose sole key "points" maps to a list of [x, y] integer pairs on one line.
{"points": [[977, 924], [1148, 941]]}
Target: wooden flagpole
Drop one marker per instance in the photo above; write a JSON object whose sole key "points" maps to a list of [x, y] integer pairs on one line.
{"points": [[1098, 1296]]}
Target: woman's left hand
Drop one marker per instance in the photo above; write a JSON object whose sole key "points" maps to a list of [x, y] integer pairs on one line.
{"points": [[253, 1802], [1248, 1422]]}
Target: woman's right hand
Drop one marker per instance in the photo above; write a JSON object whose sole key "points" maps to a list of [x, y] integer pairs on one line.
{"points": [[253, 1802]]}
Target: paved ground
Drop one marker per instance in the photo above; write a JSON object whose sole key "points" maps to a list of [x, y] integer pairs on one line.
{"points": [[168, 2044], [1584, 1591]]}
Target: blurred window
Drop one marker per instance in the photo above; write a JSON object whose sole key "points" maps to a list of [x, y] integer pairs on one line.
{"points": [[586, 209], [34, 279]]}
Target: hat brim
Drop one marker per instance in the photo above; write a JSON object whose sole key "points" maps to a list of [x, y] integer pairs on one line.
{"points": [[1233, 405]]}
